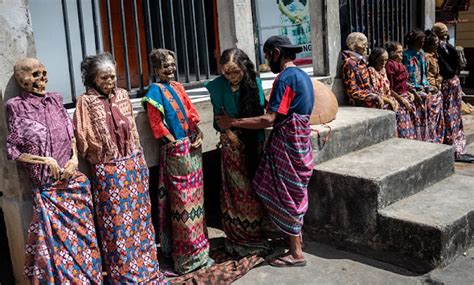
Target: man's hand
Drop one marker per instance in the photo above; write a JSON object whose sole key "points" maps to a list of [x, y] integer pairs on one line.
{"points": [[69, 168], [198, 139], [224, 121]]}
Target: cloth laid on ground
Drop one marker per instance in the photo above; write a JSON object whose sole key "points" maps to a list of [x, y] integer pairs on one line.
{"points": [[225, 270], [283, 175]]}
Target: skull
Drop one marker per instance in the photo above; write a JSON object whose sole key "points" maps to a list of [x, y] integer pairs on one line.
{"points": [[31, 75]]}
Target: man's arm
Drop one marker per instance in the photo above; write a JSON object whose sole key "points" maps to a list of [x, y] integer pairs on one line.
{"points": [[254, 123]]}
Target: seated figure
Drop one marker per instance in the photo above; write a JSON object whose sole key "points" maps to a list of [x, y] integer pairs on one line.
{"points": [[400, 105], [431, 111], [356, 74]]}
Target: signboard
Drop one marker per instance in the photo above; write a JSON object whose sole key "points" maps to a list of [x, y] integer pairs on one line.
{"points": [[284, 17]]}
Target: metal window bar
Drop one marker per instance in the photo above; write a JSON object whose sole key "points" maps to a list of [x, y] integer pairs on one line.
{"points": [[68, 49], [185, 32], [381, 20], [108, 16], [138, 46]]}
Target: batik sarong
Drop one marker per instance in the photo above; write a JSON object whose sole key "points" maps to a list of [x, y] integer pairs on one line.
{"points": [[242, 211], [420, 117], [452, 98], [406, 120], [434, 118], [123, 210], [183, 231], [283, 175], [62, 244]]}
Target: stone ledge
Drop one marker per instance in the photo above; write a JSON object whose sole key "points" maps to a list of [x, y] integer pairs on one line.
{"points": [[434, 225], [346, 192]]}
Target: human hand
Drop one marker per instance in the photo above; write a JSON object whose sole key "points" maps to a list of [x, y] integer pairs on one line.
{"points": [[224, 121], [53, 167], [407, 105], [198, 139], [69, 168]]}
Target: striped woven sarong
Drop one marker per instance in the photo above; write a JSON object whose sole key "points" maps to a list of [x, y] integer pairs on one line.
{"points": [[62, 244], [123, 211], [183, 231], [452, 97], [242, 211], [283, 175]]}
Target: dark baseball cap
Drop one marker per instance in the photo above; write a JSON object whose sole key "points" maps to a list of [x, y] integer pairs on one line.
{"points": [[281, 42]]}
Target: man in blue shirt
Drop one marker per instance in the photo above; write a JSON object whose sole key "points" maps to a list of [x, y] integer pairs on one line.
{"points": [[284, 172]]}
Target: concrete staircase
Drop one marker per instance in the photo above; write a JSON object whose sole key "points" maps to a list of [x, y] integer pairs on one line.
{"points": [[399, 199]]}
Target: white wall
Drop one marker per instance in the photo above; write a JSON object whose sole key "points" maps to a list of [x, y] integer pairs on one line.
{"points": [[50, 40]]}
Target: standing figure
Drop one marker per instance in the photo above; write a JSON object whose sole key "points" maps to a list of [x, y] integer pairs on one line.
{"points": [[378, 76], [282, 177], [107, 137], [62, 244], [431, 112], [452, 94], [239, 93], [356, 74], [174, 121]]}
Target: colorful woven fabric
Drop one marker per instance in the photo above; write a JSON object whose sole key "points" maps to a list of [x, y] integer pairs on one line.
{"points": [[435, 118], [242, 211], [380, 82], [123, 209], [452, 97], [225, 271], [62, 244], [283, 175], [183, 230], [357, 81]]}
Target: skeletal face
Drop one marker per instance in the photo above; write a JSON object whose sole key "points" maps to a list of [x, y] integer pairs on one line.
{"points": [[233, 73], [105, 79], [167, 70], [31, 75]]}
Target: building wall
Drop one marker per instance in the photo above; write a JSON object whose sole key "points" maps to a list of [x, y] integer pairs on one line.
{"points": [[465, 29]]}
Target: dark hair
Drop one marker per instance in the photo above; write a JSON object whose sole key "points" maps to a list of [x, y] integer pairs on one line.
{"points": [[375, 54], [249, 92], [158, 55], [249, 104], [430, 40], [391, 47], [413, 36], [91, 65]]}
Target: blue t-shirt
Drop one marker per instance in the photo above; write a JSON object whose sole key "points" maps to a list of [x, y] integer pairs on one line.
{"points": [[292, 92]]}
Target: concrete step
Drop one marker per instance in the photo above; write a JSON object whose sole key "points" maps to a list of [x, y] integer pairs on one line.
{"points": [[468, 123], [346, 192], [353, 129], [434, 225]]}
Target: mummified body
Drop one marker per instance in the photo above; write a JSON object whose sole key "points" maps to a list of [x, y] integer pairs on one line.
{"points": [[62, 246]]}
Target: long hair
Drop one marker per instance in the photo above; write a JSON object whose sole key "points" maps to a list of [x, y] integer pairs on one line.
{"points": [[249, 105], [249, 93]]}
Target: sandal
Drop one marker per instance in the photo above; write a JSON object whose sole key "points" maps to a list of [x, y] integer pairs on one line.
{"points": [[287, 263]]}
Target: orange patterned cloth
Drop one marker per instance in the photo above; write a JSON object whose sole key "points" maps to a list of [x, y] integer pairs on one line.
{"points": [[105, 127]]}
